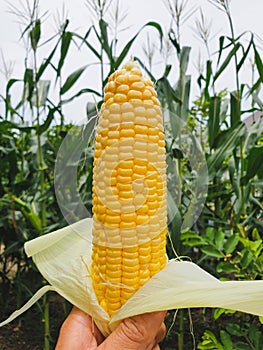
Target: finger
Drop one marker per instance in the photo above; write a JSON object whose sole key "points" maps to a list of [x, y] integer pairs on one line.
{"points": [[154, 326], [161, 333], [77, 331], [152, 321], [157, 347], [86, 322], [159, 337], [137, 332]]}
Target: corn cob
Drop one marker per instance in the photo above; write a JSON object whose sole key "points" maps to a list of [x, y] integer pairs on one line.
{"points": [[129, 189]]}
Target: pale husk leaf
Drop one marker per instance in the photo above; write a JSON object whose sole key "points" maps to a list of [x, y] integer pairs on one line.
{"points": [[64, 257]]}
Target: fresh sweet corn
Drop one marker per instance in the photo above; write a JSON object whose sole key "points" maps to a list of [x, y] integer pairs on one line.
{"points": [[129, 189]]}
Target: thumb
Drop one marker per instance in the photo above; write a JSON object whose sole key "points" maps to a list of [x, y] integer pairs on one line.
{"points": [[139, 332]]}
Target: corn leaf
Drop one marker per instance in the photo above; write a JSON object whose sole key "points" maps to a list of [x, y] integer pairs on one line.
{"points": [[256, 99], [39, 97], [221, 47], [85, 41], [169, 92], [255, 87], [225, 143], [9, 125], [28, 85], [28, 213], [175, 221], [182, 91], [235, 112], [171, 99], [81, 92], [103, 38], [65, 44], [214, 119], [71, 79], [43, 127], [10, 83], [174, 41], [254, 163], [145, 68], [259, 63], [184, 59], [225, 64], [127, 47], [245, 54], [197, 196], [45, 63], [65, 175], [35, 34], [208, 78]]}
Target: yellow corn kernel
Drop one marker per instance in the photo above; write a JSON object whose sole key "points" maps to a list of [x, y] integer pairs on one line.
{"points": [[120, 98], [146, 94], [123, 89], [134, 94], [111, 87], [138, 85], [133, 78]]}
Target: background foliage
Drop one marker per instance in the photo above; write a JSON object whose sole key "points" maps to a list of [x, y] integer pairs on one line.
{"points": [[226, 239]]}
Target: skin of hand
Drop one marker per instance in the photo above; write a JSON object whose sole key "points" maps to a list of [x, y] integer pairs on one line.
{"points": [[141, 332]]}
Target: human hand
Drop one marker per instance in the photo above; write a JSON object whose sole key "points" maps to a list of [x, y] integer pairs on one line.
{"points": [[141, 332]]}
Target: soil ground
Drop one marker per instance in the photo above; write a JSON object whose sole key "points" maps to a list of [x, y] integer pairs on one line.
{"points": [[26, 332]]}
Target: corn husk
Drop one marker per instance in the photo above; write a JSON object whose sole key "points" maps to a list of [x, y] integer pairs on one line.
{"points": [[63, 257]]}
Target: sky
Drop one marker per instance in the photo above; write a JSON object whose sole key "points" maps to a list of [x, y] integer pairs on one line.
{"points": [[246, 18]]}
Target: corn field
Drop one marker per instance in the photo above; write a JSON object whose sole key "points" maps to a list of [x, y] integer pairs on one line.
{"points": [[214, 158]]}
